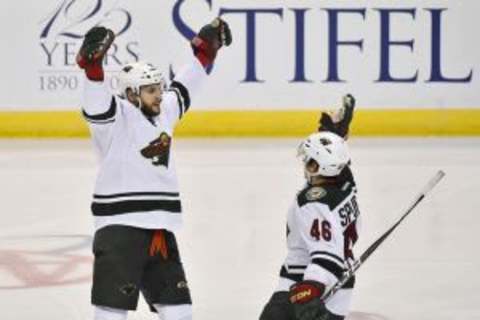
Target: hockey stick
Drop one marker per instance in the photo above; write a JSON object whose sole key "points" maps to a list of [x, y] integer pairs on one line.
{"points": [[358, 263]]}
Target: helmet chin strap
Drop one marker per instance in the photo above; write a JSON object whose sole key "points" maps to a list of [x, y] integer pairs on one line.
{"points": [[308, 176], [140, 103], [141, 106]]}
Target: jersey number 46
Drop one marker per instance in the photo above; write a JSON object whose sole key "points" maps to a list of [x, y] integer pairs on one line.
{"points": [[320, 231]]}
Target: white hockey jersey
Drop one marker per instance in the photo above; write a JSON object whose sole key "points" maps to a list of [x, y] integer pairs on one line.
{"points": [[323, 224], [136, 183]]}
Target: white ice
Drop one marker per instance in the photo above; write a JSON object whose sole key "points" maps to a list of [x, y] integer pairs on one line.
{"points": [[235, 196]]}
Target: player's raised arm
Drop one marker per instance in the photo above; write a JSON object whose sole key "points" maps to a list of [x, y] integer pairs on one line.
{"points": [[99, 105], [210, 39], [205, 45]]}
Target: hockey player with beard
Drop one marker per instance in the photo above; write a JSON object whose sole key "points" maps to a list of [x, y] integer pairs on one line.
{"points": [[136, 203], [322, 227]]}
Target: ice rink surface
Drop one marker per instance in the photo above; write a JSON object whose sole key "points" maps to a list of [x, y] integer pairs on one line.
{"points": [[235, 197]]}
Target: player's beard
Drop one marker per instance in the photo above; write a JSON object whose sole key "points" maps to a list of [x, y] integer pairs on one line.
{"points": [[151, 111]]}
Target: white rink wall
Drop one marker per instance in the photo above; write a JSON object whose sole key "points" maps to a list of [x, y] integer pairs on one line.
{"points": [[285, 55]]}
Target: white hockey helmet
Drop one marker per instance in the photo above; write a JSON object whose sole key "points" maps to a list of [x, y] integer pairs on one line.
{"points": [[137, 74], [329, 151]]}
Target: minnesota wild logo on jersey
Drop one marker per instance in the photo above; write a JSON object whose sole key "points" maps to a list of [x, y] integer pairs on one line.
{"points": [[158, 150], [315, 193]]}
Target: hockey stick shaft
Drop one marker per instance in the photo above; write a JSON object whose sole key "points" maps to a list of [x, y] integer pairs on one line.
{"points": [[358, 263]]}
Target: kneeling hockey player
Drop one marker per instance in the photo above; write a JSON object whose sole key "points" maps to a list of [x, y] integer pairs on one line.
{"points": [[322, 227]]}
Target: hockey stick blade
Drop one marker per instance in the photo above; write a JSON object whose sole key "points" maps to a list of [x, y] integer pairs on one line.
{"points": [[358, 263]]}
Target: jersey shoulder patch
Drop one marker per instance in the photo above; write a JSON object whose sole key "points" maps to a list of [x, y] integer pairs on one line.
{"points": [[315, 193], [330, 195]]}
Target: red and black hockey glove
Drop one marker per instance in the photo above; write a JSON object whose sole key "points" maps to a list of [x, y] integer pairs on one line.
{"points": [[306, 299], [340, 125], [95, 45], [209, 40]]}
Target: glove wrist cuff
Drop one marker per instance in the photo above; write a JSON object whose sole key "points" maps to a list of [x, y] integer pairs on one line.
{"points": [[306, 291], [95, 72]]}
